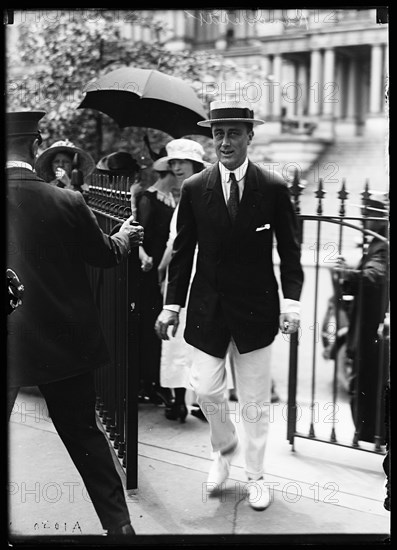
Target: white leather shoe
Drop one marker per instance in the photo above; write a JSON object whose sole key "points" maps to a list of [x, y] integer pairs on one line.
{"points": [[258, 494], [220, 468]]}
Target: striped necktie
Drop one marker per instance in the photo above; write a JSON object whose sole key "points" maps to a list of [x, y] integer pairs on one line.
{"points": [[233, 202]]}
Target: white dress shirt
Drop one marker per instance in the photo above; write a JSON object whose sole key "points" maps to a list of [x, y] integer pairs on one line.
{"points": [[287, 305], [239, 174]]}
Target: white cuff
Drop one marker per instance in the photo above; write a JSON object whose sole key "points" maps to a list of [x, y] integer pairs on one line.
{"points": [[290, 306], [173, 307]]}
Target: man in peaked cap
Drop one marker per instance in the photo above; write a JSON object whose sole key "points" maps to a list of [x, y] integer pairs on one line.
{"points": [[368, 283], [233, 210], [55, 340]]}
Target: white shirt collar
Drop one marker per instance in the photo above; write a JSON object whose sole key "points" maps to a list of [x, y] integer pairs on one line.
{"points": [[238, 172], [18, 164]]}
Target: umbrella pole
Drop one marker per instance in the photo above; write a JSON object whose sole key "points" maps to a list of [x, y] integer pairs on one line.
{"points": [[99, 134]]}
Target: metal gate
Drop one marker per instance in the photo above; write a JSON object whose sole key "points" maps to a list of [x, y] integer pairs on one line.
{"points": [[321, 225]]}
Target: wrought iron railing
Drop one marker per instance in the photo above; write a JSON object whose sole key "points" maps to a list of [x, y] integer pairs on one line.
{"points": [[117, 297], [358, 224]]}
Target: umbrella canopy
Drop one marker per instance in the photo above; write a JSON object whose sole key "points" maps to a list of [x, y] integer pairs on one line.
{"points": [[147, 98]]}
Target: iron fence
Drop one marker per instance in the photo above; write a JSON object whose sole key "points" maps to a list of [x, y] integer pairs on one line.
{"points": [[116, 293], [338, 329]]}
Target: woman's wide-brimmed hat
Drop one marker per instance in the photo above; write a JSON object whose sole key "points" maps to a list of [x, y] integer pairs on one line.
{"points": [[43, 165], [231, 111], [185, 149]]}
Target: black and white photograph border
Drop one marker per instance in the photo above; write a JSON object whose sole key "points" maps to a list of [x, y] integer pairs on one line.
{"points": [[318, 78]]}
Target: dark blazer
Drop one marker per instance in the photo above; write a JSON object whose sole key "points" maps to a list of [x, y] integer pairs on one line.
{"points": [[234, 291], [371, 301], [51, 234]]}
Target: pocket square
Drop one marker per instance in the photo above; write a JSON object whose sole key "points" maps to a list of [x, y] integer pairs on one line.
{"points": [[262, 227]]}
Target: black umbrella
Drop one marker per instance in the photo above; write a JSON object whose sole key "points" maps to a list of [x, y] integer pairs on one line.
{"points": [[147, 98]]}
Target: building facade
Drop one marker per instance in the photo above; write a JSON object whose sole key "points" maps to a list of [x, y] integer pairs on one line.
{"points": [[316, 76]]}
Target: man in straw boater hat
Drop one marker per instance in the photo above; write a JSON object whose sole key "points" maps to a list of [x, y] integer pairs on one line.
{"points": [[233, 210], [55, 340]]}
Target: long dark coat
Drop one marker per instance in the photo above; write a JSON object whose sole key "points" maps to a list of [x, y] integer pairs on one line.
{"points": [[369, 285], [51, 235], [234, 291]]}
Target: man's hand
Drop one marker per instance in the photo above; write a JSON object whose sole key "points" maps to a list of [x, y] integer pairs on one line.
{"points": [[289, 322], [147, 263], [340, 265], [134, 230], [164, 320]]}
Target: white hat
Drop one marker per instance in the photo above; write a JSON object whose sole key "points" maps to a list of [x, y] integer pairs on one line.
{"points": [[229, 111], [185, 149], [161, 165]]}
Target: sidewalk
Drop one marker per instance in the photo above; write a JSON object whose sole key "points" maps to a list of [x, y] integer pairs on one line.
{"points": [[319, 489]]}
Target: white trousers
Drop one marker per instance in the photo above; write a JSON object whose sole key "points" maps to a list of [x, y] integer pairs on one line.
{"points": [[253, 385]]}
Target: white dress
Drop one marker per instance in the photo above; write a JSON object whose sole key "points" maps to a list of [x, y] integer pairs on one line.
{"points": [[176, 353]]}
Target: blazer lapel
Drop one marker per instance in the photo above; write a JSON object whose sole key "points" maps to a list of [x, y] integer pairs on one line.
{"points": [[215, 200]]}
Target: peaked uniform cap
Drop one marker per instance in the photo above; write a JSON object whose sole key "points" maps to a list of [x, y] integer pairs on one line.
{"points": [[43, 164], [378, 208], [21, 123], [231, 111]]}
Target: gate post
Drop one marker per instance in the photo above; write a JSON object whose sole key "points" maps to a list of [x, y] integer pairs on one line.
{"points": [[132, 372], [292, 386]]}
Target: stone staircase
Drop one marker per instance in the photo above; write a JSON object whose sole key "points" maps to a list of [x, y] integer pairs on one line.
{"points": [[355, 160]]}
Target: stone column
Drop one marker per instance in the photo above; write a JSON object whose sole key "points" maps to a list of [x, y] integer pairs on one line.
{"points": [[221, 42], [265, 72], [276, 88], [351, 88], [339, 78], [385, 77], [315, 84], [331, 92], [289, 89], [376, 84], [301, 79]]}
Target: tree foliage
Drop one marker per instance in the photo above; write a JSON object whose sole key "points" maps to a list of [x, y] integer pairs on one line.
{"points": [[59, 52]]}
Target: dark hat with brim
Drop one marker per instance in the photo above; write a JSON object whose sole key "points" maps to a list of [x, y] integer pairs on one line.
{"points": [[120, 162], [43, 164], [231, 111], [23, 123], [376, 208]]}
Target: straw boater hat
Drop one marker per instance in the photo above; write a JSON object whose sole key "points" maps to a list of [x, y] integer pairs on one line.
{"points": [[185, 149], [44, 161], [231, 111]]}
